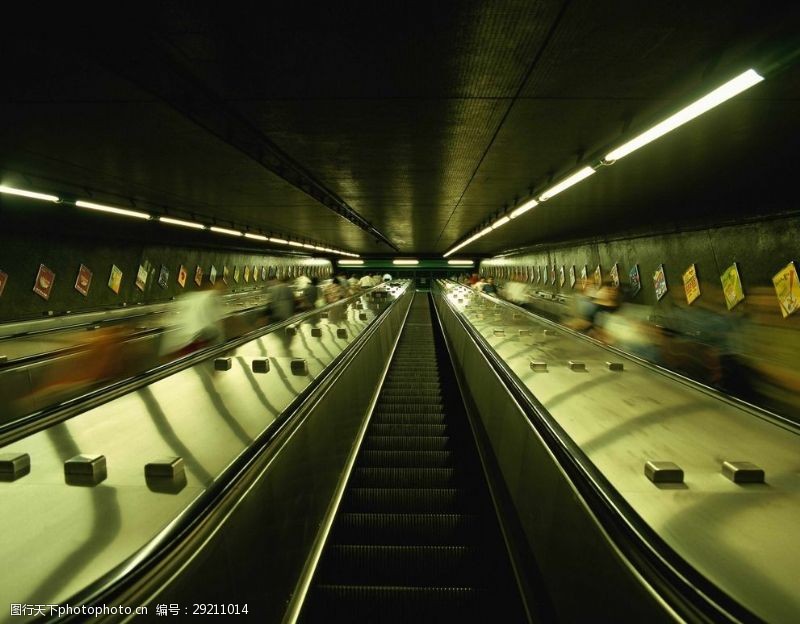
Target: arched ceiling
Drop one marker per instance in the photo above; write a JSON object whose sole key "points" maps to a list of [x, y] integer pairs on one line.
{"points": [[377, 127]]}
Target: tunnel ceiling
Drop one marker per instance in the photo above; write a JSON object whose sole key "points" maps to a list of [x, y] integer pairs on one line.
{"points": [[416, 124]]}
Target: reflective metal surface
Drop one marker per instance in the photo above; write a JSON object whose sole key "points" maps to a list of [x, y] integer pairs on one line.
{"points": [[743, 537]]}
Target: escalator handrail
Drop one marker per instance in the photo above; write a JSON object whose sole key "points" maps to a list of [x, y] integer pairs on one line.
{"points": [[42, 419], [674, 580], [143, 571]]}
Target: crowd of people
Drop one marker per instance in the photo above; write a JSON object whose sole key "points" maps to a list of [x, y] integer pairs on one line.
{"points": [[750, 352]]}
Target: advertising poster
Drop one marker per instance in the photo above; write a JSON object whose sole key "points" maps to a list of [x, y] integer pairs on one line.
{"points": [[787, 289], [263, 274], [141, 278], [115, 279], [572, 278], [273, 271], [660, 282], [84, 280], [553, 275], [212, 274], [598, 277], [690, 284], [226, 275], [198, 275], [254, 273], [732, 286], [246, 274], [236, 274], [538, 274], [44, 282], [183, 274], [163, 276], [561, 276], [615, 275], [636, 280], [584, 277], [3, 281]]}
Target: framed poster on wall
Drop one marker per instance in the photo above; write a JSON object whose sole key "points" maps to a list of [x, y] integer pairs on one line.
{"points": [[690, 284], [614, 274], [163, 276], [84, 280], [246, 274], [212, 274], [732, 286], [660, 282], [598, 277], [43, 285], [562, 278], [236, 274], [183, 275], [115, 279], [226, 274], [141, 278], [787, 289], [572, 278], [584, 277], [3, 282], [636, 280], [198, 275]]}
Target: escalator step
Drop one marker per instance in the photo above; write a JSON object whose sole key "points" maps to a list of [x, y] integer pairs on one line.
{"points": [[400, 459], [404, 477], [408, 419], [400, 565], [419, 529], [407, 430], [408, 443], [406, 500], [409, 408]]}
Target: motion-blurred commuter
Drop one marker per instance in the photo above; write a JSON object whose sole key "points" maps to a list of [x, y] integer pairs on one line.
{"points": [[281, 301], [199, 323]]}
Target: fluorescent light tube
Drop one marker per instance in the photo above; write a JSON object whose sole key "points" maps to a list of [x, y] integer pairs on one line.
{"points": [[295, 243], [350, 262], [258, 237], [220, 230], [182, 223], [44, 196], [523, 209], [719, 95], [404, 262], [282, 241], [461, 262], [112, 210], [500, 221], [576, 177]]}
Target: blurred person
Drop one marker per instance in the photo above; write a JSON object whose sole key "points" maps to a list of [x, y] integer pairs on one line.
{"points": [[515, 291], [489, 287], [200, 323], [387, 277], [365, 282], [353, 284], [281, 300], [312, 295]]}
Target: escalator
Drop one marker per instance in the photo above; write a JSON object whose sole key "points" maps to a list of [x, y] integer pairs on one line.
{"points": [[416, 537]]}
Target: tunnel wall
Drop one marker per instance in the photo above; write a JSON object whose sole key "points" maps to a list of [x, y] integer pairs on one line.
{"points": [[760, 249], [28, 240]]}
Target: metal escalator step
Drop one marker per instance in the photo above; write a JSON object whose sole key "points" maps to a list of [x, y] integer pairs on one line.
{"points": [[407, 419], [406, 443], [405, 477], [409, 407], [412, 459], [379, 429], [400, 565], [420, 529], [406, 500]]}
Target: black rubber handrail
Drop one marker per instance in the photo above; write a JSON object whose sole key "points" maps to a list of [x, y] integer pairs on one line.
{"points": [[689, 593], [42, 419], [144, 566]]}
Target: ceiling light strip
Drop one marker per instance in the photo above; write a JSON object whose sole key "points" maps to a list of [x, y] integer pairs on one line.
{"points": [[227, 231], [8, 190], [123, 212], [182, 223], [733, 87]]}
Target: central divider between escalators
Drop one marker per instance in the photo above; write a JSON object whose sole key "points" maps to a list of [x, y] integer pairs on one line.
{"points": [[415, 537]]}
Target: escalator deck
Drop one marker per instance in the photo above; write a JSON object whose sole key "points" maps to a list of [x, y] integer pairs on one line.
{"points": [[415, 538]]}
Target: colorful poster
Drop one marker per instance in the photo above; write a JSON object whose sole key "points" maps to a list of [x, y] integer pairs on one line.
{"points": [[690, 284], [183, 274], [660, 282], [263, 274], [598, 277], [246, 274], [115, 279], [212, 274], [44, 282], [732, 286], [141, 278], [198, 275], [254, 273], [787, 289], [3, 281], [163, 276], [236, 274], [561, 276], [636, 280], [584, 277], [615, 275], [226, 274], [84, 280], [572, 278]]}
